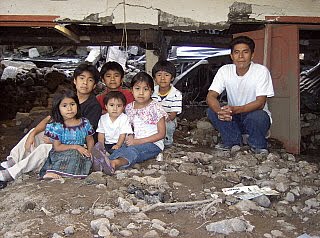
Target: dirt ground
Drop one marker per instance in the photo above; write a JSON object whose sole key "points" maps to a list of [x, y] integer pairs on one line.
{"points": [[36, 208]]}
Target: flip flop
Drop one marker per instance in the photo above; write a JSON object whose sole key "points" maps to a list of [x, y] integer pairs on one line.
{"points": [[100, 160]]}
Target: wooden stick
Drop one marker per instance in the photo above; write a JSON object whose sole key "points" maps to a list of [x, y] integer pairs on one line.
{"points": [[178, 204]]}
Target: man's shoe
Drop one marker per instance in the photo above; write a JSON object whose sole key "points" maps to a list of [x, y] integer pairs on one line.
{"points": [[2, 168], [3, 184], [222, 147]]}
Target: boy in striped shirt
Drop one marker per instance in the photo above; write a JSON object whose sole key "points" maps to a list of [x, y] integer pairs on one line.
{"points": [[167, 95]]}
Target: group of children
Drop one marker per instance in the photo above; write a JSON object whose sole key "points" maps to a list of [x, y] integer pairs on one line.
{"points": [[131, 125]]}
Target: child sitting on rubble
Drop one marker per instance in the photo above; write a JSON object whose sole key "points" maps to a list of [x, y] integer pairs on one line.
{"points": [[114, 125], [33, 149], [69, 132], [147, 118], [167, 95], [112, 75]]}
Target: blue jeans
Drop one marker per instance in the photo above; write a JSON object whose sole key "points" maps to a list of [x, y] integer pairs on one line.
{"points": [[170, 128], [136, 153], [256, 124]]}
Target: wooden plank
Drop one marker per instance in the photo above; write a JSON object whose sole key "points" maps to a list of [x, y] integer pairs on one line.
{"points": [[66, 32]]}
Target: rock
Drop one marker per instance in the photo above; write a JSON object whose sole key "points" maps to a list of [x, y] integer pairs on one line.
{"points": [[151, 234], [126, 233], [277, 233], [55, 235], [69, 230], [308, 191], [188, 168], [312, 203], [109, 214], [282, 187], [96, 178], [158, 227], [230, 225], [173, 232], [283, 209], [29, 205], [104, 231], [247, 205], [290, 197], [96, 224], [98, 211], [262, 201]]}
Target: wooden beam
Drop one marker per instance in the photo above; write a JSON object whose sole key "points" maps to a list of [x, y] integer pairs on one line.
{"points": [[66, 32], [293, 19], [28, 20]]}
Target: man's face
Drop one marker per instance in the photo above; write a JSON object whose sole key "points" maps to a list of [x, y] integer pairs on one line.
{"points": [[84, 83], [241, 57], [112, 79]]}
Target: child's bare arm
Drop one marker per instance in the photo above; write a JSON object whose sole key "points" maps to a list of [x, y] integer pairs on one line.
{"points": [[161, 126], [101, 137], [90, 143], [39, 128], [171, 116], [121, 139]]}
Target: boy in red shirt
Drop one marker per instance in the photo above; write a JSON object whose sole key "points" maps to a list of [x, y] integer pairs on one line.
{"points": [[112, 75]]}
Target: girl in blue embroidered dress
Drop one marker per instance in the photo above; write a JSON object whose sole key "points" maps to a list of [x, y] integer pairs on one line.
{"points": [[68, 132], [147, 118]]}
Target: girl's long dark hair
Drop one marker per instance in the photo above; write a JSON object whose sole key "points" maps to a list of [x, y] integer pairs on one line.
{"points": [[143, 77], [57, 98]]}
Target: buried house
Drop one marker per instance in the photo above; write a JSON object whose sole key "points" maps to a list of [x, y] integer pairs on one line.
{"points": [[287, 35]]}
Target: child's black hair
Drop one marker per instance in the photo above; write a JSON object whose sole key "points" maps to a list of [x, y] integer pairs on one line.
{"points": [[57, 98], [242, 40], [116, 95], [111, 65], [164, 65], [143, 77], [89, 68]]}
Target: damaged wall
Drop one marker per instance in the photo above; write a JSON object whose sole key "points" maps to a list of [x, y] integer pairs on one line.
{"points": [[166, 13]]}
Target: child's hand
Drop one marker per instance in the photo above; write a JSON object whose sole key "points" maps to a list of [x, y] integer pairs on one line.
{"points": [[84, 151], [46, 140], [115, 147], [130, 140]]}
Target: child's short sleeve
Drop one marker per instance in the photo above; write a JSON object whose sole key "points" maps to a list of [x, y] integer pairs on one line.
{"points": [[54, 131], [88, 127]]}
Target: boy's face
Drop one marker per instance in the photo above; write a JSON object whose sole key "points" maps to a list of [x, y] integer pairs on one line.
{"points": [[84, 83], [114, 107], [112, 79], [163, 79]]}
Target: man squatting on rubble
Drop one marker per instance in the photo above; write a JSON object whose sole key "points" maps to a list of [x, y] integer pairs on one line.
{"points": [[247, 85]]}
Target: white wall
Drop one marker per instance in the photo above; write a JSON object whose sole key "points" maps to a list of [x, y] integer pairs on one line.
{"points": [[169, 13]]}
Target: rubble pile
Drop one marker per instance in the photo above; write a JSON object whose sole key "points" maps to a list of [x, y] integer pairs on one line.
{"points": [[310, 132], [275, 195], [29, 88]]}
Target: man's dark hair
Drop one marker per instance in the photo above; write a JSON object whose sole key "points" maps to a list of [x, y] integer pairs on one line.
{"points": [[116, 95], [111, 65], [89, 68], [164, 65], [242, 40]]}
